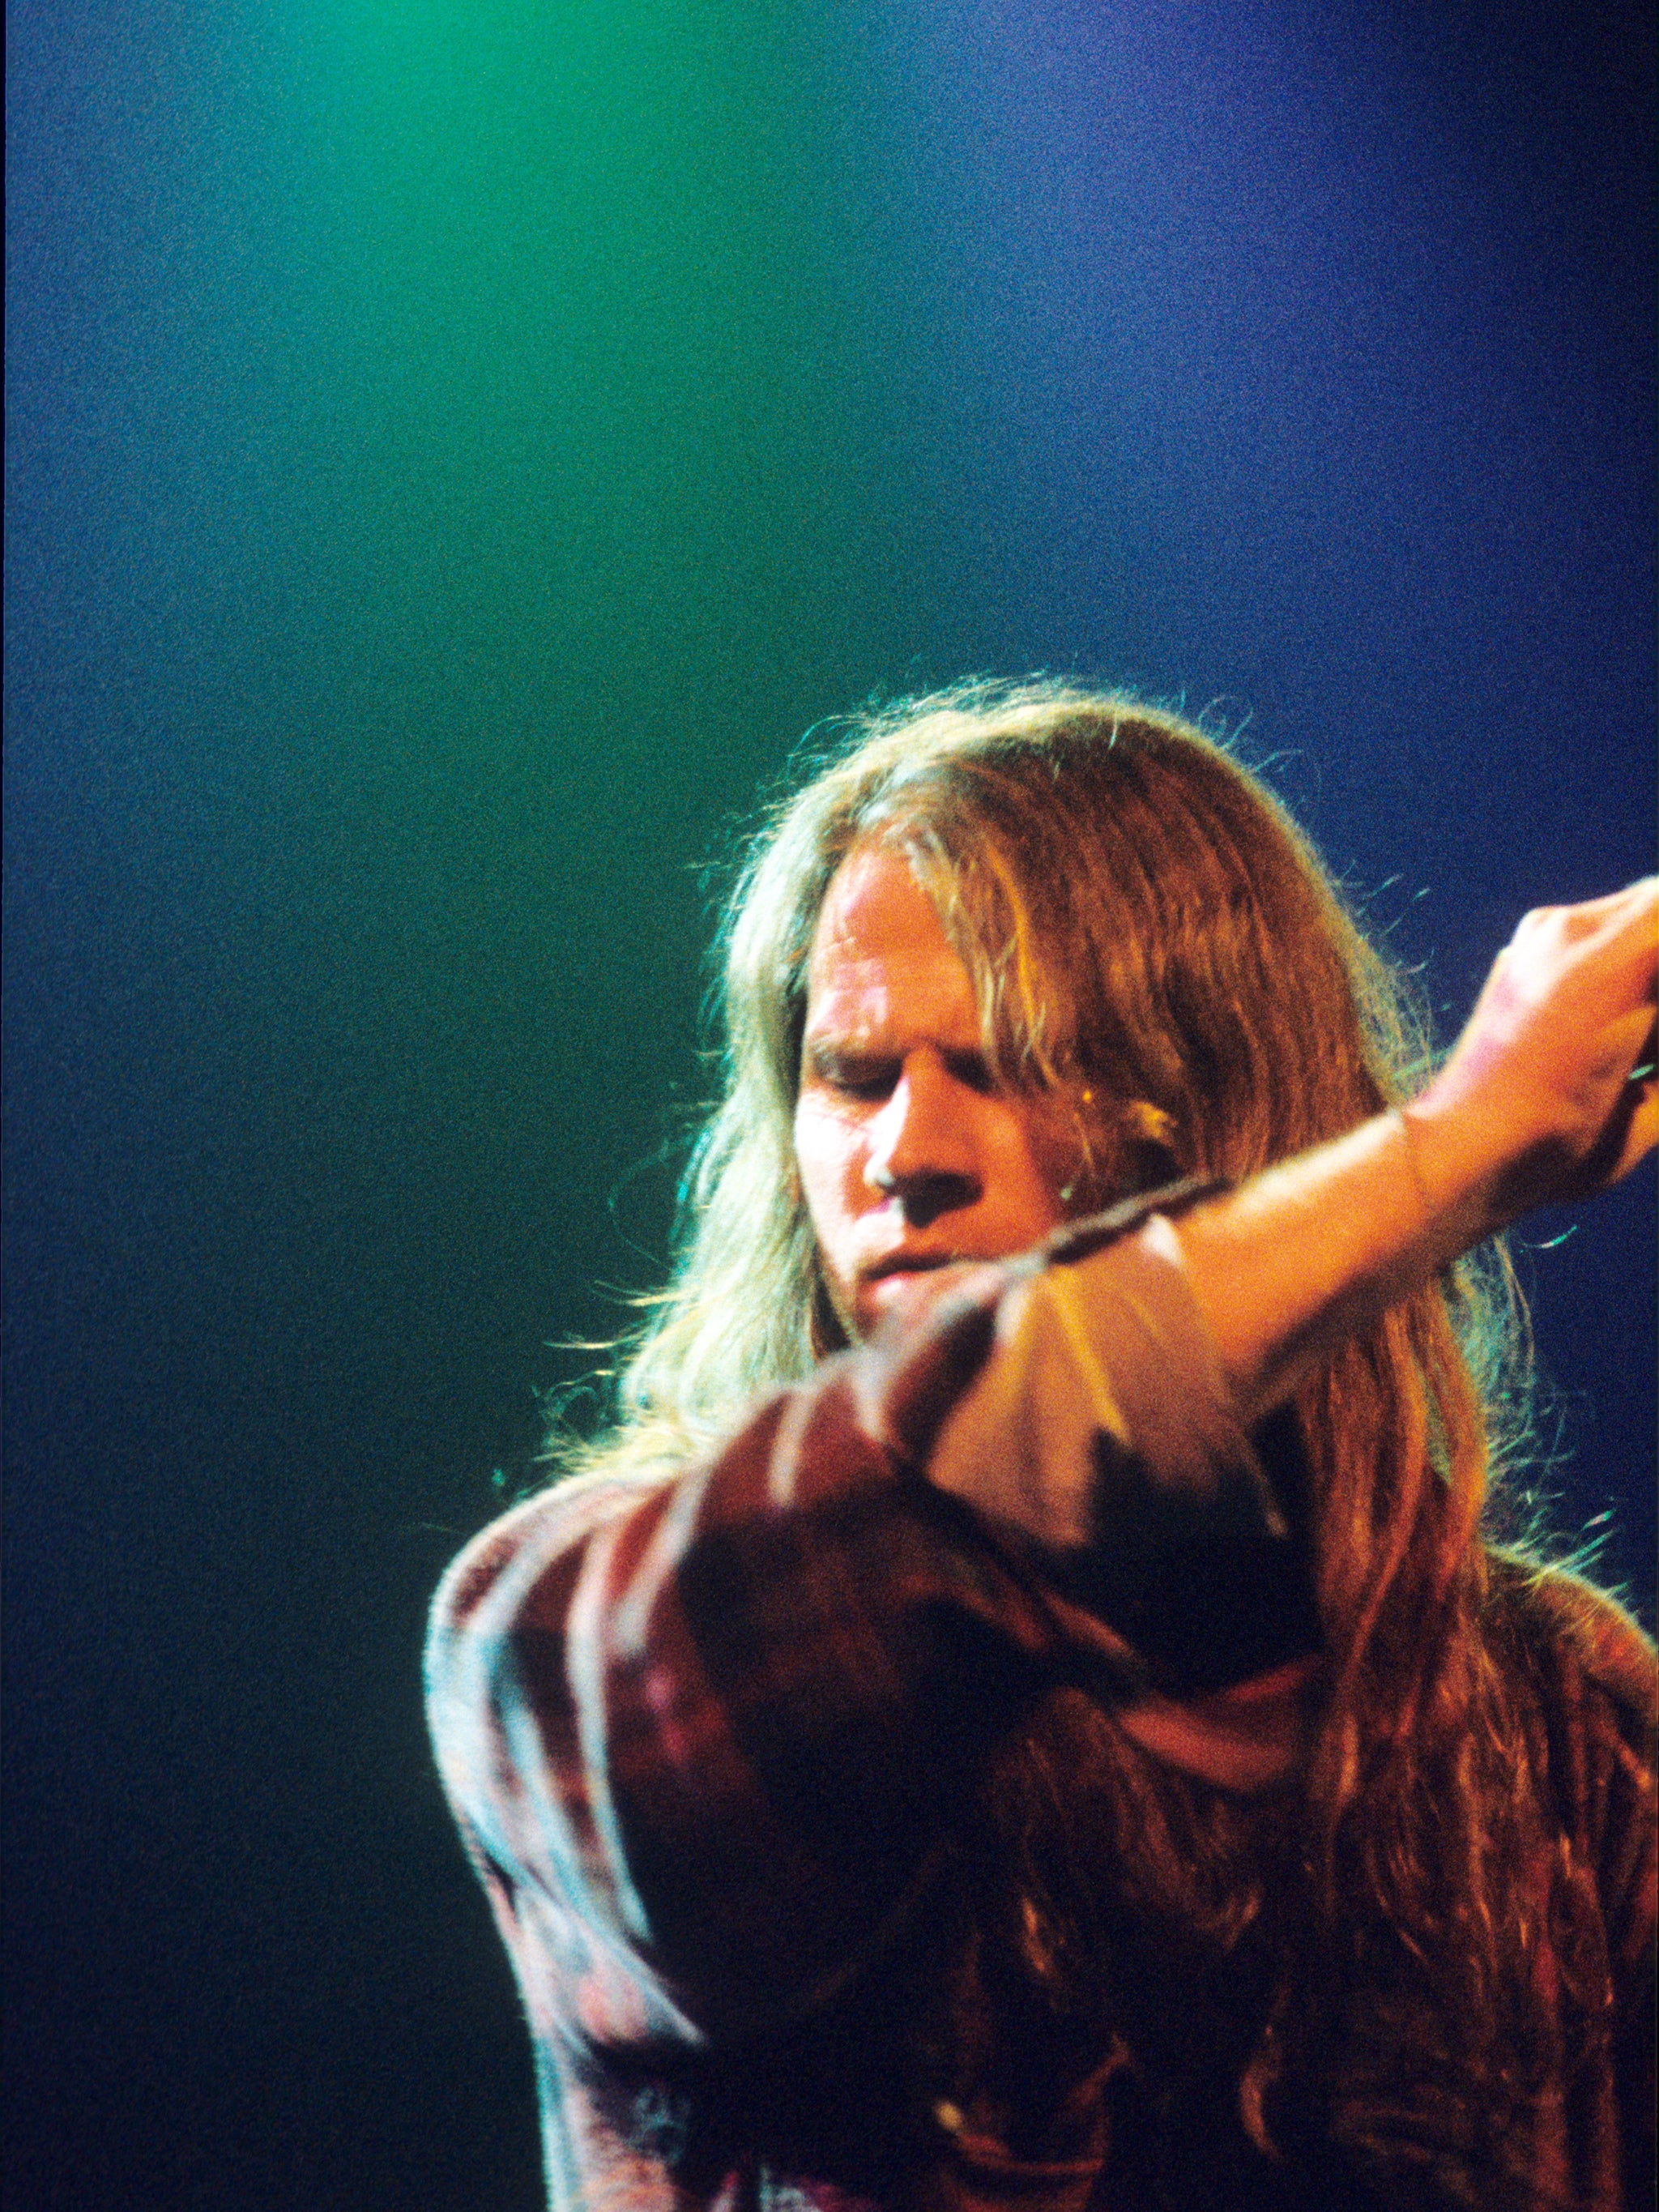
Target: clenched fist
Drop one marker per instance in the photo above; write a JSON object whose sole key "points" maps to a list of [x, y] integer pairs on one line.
{"points": [[1550, 1093]]}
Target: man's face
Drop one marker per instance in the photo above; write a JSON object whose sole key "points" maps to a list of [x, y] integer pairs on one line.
{"points": [[909, 1156]]}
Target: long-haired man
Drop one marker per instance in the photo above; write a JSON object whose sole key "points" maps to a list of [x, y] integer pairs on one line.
{"points": [[1024, 1707]]}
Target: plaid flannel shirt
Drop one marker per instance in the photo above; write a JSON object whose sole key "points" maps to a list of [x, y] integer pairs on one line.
{"points": [[699, 1730]]}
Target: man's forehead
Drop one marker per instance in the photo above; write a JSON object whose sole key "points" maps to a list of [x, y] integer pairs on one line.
{"points": [[880, 956]]}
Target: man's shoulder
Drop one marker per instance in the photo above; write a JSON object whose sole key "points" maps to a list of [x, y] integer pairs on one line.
{"points": [[1573, 1628], [538, 1528]]}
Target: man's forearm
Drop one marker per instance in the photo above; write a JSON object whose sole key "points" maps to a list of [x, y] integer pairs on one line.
{"points": [[1548, 1095], [1306, 1252]]}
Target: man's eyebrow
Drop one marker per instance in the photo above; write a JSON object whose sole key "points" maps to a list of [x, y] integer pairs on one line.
{"points": [[833, 1051]]}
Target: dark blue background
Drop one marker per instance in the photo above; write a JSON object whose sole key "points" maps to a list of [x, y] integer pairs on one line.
{"points": [[385, 655]]}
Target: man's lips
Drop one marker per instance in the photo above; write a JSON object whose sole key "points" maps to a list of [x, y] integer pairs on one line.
{"points": [[908, 1263]]}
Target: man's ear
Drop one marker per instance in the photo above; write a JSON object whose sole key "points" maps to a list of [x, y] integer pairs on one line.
{"points": [[1150, 1159]]}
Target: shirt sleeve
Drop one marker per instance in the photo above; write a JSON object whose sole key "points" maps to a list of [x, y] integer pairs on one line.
{"points": [[701, 1732]]}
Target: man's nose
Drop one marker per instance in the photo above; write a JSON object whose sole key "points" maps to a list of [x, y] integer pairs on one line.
{"points": [[921, 1149]]}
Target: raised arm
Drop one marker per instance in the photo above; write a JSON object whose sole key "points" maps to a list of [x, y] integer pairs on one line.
{"points": [[1549, 1095]]}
